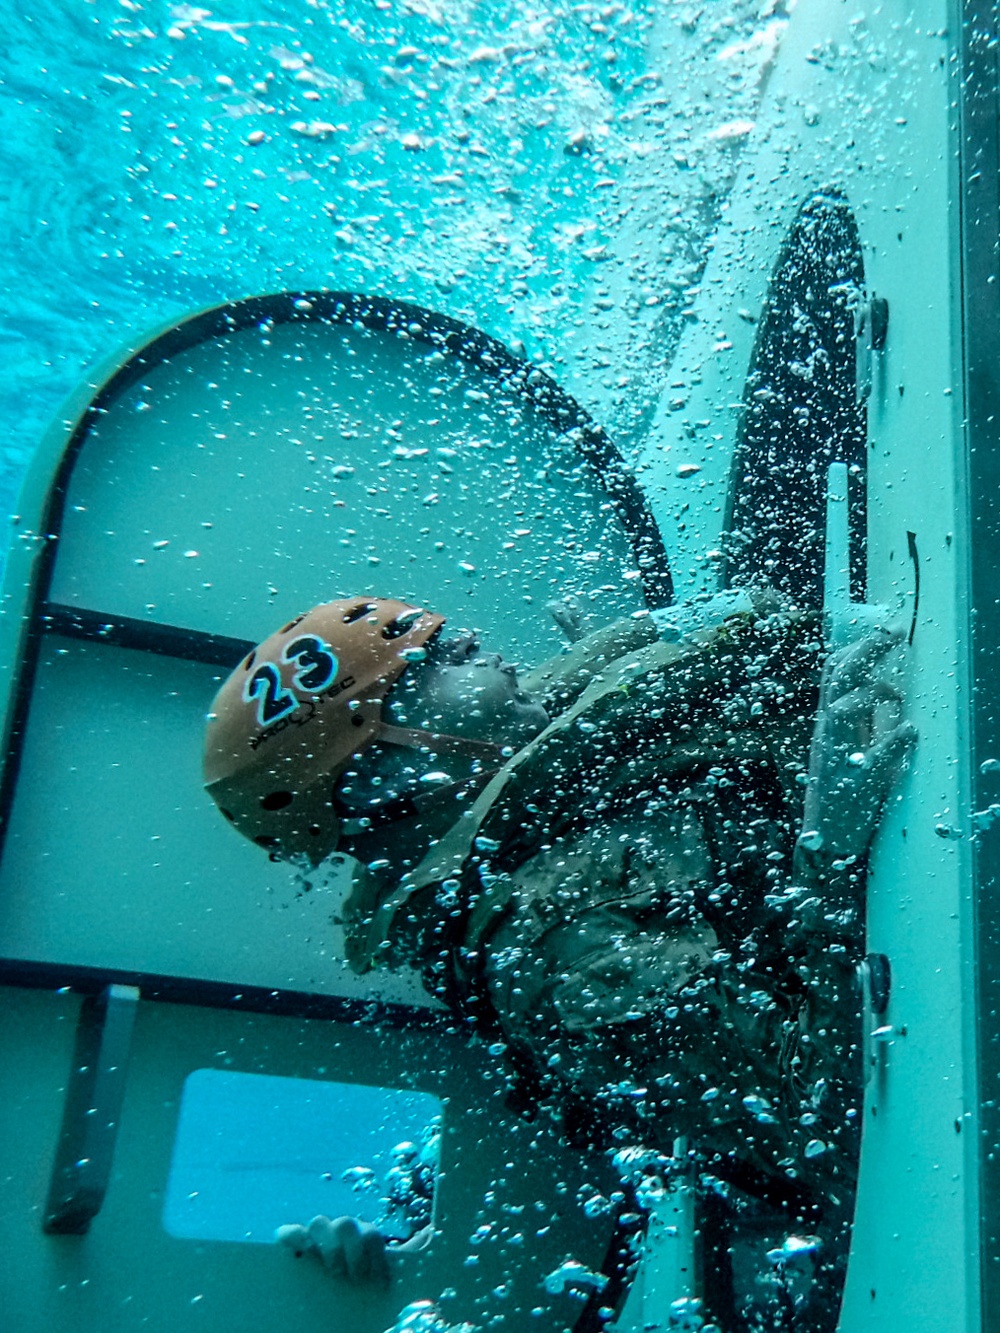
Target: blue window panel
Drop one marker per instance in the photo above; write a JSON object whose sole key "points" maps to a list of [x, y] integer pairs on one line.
{"points": [[254, 1152]]}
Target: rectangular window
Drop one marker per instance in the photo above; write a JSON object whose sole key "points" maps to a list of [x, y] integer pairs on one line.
{"points": [[254, 1152]]}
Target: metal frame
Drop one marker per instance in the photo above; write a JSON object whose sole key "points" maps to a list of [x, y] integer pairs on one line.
{"points": [[91, 981], [28, 615], [978, 194]]}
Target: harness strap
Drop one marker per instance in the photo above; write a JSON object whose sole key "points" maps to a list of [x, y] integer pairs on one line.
{"points": [[415, 738]]}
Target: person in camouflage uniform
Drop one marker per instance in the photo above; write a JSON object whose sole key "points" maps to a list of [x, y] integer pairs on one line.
{"points": [[642, 868]]}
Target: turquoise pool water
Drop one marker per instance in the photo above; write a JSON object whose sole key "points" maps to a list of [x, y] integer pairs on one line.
{"points": [[549, 173]]}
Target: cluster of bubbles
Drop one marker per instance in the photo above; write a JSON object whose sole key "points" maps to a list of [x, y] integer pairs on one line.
{"points": [[407, 1189], [424, 1317], [550, 174], [409, 1182]]}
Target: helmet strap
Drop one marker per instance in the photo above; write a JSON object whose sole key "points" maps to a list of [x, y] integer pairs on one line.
{"points": [[415, 738]]}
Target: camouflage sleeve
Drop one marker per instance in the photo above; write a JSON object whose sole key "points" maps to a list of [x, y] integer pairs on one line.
{"points": [[820, 907], [560, 681]]}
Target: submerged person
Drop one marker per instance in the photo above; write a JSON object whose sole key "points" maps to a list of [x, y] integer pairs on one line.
{"points": [[609, 864]]}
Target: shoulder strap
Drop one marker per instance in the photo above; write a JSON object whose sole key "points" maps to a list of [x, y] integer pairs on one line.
{"points": [[645, 714]]}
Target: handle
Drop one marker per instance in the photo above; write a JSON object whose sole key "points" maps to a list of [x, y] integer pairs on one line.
{"points": [[846, 621], [82, 1167]]}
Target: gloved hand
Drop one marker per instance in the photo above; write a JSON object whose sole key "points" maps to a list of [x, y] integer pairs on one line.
{"points": [[348, 1247], [568, 615], [859, 747]]}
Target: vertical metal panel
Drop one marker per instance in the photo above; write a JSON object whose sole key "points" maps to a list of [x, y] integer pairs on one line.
{"points": [[979, 196], [95, 1091]]}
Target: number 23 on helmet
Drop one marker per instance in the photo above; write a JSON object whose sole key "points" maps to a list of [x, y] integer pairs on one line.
{"points": [[283, 727]]}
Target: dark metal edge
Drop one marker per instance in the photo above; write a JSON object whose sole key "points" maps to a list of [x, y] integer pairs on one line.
{"points": [[147, 636], [92, 981], [978, 196]]}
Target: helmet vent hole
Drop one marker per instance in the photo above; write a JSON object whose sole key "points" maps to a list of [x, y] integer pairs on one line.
{"points": [[402, 623], [291, 624], [250, 660], [356, 612], [357, 720], [276, 800]]}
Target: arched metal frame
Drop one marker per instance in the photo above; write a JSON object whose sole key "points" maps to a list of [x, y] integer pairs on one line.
{"points": [[35, 615], [82, 1165]]}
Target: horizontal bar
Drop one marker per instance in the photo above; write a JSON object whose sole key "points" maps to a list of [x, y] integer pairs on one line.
{"points": [[145, 636], [91, 981]]}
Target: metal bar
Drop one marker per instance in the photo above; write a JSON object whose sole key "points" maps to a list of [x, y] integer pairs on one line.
{"points": [[145, 636], [92, 1111], [91, 981]]}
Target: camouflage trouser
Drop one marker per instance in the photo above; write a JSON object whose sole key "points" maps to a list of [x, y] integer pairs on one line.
{"points": [[628, 1006]]}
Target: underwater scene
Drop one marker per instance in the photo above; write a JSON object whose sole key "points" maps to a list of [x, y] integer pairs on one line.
{"points": [[541, 172], [499, 754]]}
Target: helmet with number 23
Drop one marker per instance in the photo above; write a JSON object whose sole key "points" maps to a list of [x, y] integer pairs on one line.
{"points": [[284, 726]]}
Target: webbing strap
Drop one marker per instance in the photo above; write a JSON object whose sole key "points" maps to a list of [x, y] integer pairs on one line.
{"points": [[415, 738]]}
